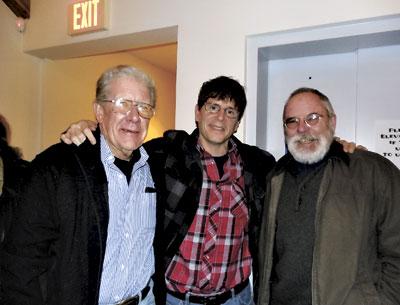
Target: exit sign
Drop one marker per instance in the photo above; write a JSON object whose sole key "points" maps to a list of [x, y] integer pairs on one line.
{"points": [[87, 16]]}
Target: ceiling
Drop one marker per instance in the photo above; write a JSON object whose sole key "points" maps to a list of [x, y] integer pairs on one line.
{"points": [[163, 56], [21, 8]]}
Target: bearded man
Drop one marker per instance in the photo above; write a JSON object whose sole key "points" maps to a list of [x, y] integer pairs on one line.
{"points": [[331, 229]]}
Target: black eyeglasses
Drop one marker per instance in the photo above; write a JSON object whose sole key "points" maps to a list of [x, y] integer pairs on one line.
{"points": [[124, 106], [311, 119], [230, 112]]}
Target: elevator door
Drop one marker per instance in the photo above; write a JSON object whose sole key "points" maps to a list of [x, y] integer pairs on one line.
{"points": [[363, 86]]}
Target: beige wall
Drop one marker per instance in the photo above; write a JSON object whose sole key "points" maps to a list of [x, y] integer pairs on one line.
{"points": [[41, 97], [69, 89], [211, 34], [19, 86]]}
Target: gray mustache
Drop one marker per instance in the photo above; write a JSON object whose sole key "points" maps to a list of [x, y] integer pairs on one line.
{"points": [[305, 138]]}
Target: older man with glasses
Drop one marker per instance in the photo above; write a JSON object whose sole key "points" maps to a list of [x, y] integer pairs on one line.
{"points": [[211, 187], [84, 227], [331, 226]]}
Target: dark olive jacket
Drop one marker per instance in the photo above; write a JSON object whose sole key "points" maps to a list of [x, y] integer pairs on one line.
{"points": [[356, 258]]}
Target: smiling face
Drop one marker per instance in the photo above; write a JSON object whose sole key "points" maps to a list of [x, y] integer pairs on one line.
{"points": [[216, 128], [308, 144], [123, 132]]}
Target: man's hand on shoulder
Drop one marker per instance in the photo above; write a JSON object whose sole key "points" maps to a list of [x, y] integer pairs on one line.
{"points": [[78, 132], [349, 147]]}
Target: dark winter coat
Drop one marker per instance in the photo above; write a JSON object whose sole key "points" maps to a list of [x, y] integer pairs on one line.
{"points": [[63, 227], [356, 258]]}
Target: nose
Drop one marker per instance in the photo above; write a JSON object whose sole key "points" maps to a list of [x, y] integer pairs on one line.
{"points": [[133, 114], [221, 114], [302, 127]]}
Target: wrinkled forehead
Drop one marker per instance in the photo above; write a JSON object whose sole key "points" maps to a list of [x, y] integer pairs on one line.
{"points": [[303, 104], [127, 87]]}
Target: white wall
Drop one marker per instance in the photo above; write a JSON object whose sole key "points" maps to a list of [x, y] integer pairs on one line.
{"points": [[211, 34]]}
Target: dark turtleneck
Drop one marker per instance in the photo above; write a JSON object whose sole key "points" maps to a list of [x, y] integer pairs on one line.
{"points": [[126, 166], [295, 233]]}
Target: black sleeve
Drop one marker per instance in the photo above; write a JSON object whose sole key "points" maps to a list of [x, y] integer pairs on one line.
{"points": [[26, 253]]}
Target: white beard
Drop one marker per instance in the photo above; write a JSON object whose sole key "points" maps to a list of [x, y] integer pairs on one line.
{"points": [[306, 156]]}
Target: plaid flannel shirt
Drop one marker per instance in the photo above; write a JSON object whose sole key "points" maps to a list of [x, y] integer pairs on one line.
{"points": [[214, 255]]}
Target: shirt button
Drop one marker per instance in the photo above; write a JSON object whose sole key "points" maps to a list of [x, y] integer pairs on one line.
{"points": [[122, 267], [126, 235]]}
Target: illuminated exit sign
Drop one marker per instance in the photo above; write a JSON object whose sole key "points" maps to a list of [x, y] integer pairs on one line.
{"points": [[87, 16]]}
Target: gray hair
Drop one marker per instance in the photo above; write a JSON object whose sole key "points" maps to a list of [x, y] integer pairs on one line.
{"points": [[124, 71], [323, 98]]}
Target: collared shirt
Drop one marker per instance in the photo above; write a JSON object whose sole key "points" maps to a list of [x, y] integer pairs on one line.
{"points": [[129, 257], [214, 256]]}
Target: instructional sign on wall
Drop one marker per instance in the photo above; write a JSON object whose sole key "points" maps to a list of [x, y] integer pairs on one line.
{"points": [[387, 141]]}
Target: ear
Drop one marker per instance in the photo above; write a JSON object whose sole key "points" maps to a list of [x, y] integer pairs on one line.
{"points": [[332, 121], [236, 126], [197, 113], [98, 111]]}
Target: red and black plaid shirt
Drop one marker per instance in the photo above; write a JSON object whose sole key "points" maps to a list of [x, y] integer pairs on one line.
{"points": [[214, 255]]}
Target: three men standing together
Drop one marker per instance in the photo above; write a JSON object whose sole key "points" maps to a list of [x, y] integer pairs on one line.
{"points": [[84, 231]]}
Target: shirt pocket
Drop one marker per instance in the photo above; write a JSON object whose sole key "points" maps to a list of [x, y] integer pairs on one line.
{"points": [[240, 214]]}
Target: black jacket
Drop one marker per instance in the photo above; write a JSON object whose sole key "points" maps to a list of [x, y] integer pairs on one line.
{"points": [[59, 232], [14, 169], [177, 172]]}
